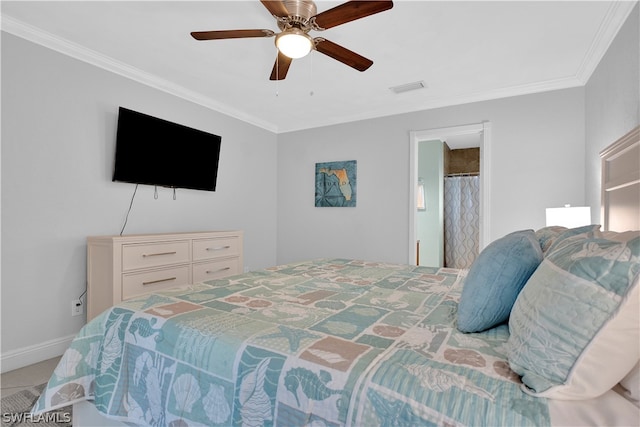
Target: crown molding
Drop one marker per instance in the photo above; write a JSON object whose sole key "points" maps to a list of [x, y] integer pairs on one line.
{"points": [[58, 44], [616, 16], [431, 103]]}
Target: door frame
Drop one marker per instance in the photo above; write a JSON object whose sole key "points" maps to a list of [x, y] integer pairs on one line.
{"points": [[415, 137]]}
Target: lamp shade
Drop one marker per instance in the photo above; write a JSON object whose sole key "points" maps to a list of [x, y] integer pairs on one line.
{"points": [[569, 216], [294, 43]]}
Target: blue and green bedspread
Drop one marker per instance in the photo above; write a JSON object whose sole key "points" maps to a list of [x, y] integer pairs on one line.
{"points": [[322, 343]]}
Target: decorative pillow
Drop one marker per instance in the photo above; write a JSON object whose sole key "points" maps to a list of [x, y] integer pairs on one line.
{"points": [[495, 279], [547, 235], [573, 234], [631, 385], [575, 327]]}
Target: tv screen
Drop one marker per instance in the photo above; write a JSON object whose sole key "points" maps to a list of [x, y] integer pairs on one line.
{"points": [[153, 151]]}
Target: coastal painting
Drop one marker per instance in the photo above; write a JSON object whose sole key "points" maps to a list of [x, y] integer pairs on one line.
{"points": [[336, 184]]}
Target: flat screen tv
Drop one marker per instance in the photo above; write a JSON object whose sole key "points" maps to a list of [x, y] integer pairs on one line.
{"points": [[157, 152]]}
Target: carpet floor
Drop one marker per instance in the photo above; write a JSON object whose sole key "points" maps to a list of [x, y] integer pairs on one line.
{"points": [[16, 411]]}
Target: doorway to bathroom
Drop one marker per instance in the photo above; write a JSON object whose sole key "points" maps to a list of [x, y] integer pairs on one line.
{"points": [[467, 189]]}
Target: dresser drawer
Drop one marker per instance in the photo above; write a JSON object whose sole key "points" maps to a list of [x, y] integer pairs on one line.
{"points": [[215, 248], [134, 284], [154, 254], [215, 269], [122, 267]]}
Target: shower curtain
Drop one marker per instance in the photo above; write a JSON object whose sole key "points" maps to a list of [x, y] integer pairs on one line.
{"points": [[461, 220]]}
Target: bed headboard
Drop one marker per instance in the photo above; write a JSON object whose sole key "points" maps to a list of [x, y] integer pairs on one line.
{"points": [[621, 183]]}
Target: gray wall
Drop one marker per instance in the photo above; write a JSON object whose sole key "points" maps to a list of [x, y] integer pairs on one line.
{"points": [[612, 102], [59, 118], [537, 161]]}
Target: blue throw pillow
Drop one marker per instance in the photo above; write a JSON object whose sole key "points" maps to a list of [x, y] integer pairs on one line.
{"points": [[495, 279]]}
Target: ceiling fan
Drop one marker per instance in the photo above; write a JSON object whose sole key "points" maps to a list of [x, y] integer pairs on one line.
{"points": [[296, 18]]}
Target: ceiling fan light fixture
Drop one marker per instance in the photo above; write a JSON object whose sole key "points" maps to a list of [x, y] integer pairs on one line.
{"points": [[294, 43]]}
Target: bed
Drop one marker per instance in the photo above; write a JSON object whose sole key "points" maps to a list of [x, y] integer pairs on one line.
{"points": [[325, 342], [332, 342], [301, 343]]}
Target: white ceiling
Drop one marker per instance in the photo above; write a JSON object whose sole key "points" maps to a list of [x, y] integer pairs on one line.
{"points": [[463, 51]]}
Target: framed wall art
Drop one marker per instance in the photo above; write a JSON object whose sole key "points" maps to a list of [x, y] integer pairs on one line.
{"points": [[336, 184]]}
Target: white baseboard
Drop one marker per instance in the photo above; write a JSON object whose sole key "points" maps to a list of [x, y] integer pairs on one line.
{"points": [[26, 356]]}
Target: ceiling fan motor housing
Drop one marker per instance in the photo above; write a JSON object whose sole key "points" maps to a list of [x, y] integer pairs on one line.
{"points": [[300, 13]]}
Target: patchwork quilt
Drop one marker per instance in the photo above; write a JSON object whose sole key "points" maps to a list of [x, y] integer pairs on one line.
{"points": [[328, 342]]}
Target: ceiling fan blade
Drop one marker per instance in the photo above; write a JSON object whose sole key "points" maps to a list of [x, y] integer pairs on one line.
{"points": [[231, 34], [342, 54], [281, 67], [275, 7], [350, 11]]}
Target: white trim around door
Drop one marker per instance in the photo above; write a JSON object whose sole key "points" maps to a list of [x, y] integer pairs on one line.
{"points": [[415, 137]]}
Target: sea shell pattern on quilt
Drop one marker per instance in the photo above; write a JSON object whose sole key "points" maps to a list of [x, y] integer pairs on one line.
{"points": [[68, 363], [186, 391], [255, 403], [322, 343], [215, 405], [112, 345], [68, 392]]}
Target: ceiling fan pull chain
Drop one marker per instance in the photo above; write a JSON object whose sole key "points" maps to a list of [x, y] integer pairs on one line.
{"points": [[277, 71], [311, 75]]}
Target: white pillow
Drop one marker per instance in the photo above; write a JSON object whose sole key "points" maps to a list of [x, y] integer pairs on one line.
{"points": [[575, 327]]}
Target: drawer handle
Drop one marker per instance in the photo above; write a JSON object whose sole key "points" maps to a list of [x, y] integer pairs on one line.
{"points": [[219, 248], [160, 253], [218, 271], [158, 281]]}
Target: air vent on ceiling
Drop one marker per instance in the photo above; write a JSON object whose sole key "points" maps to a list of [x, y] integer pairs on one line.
{"points": [[408, 87]]}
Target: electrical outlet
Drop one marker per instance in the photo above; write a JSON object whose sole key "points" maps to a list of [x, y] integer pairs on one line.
{"points": [[76, 307]]}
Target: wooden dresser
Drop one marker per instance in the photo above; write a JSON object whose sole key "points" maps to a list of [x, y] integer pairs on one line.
{"points": [[123, 267]]}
